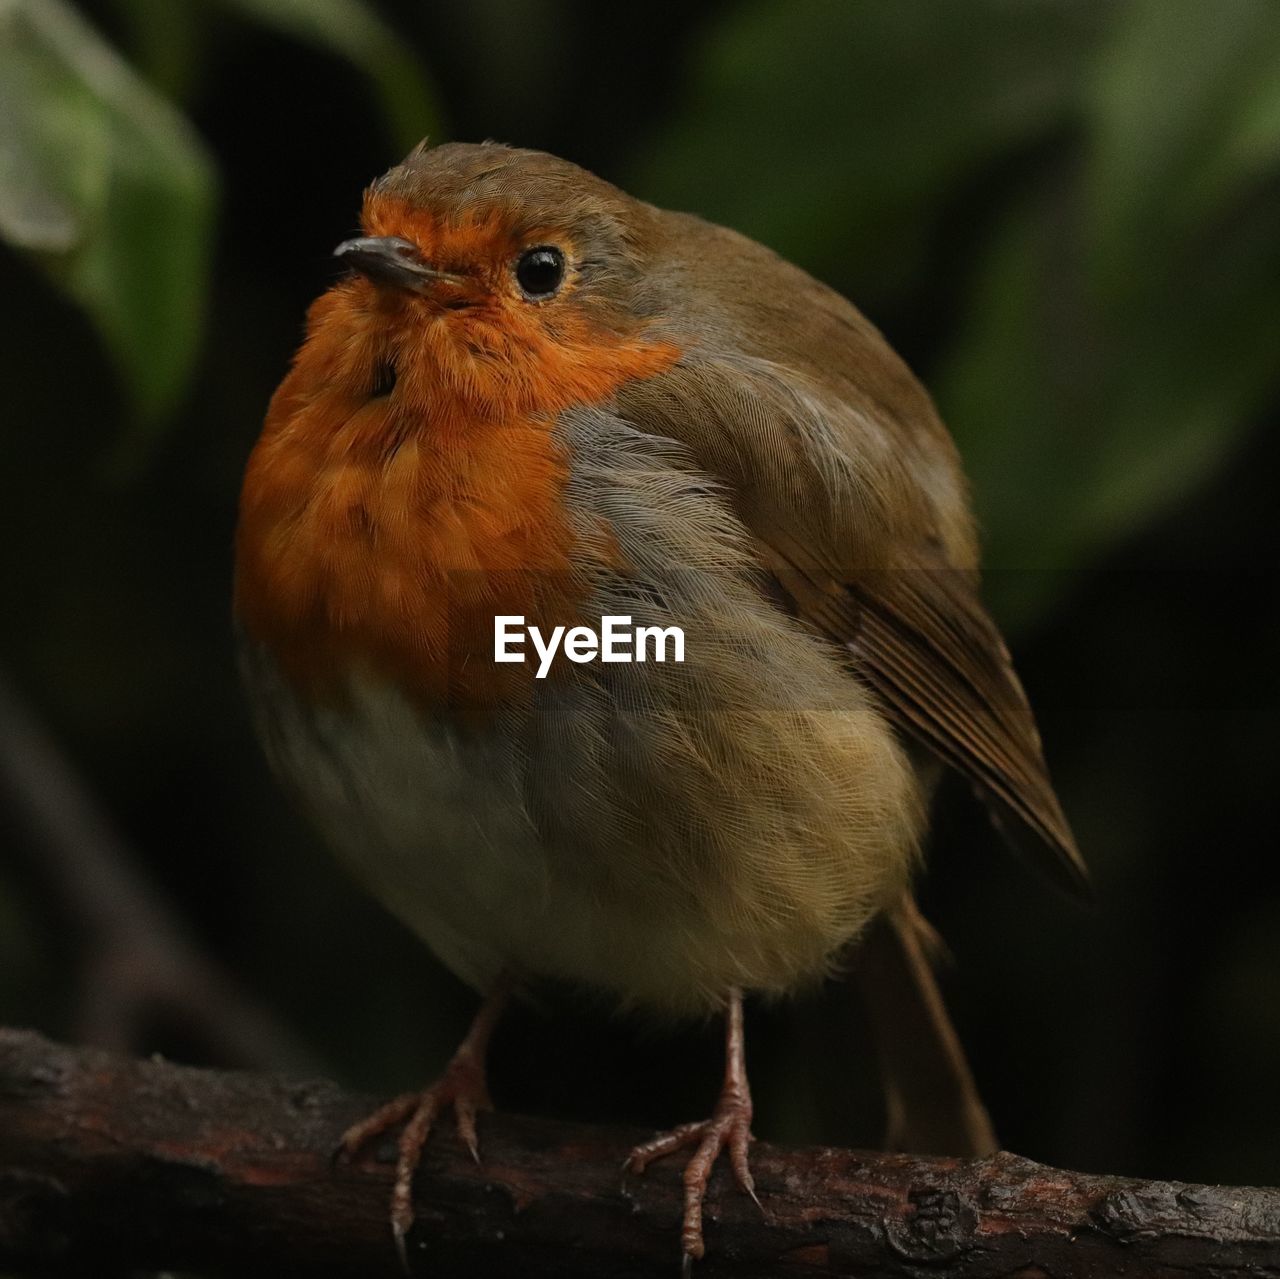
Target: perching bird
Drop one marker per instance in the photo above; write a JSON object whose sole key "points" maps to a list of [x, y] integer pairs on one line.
{"points": [[535, 397]]}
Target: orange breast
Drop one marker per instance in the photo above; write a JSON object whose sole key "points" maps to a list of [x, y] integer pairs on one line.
{"points": [[383, 535]]}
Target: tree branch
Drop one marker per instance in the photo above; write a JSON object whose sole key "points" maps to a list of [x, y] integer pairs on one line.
{"points": [[106, 1161], [140, 962]]}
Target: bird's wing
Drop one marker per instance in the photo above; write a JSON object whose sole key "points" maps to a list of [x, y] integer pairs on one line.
{"points": [[870, 579]]}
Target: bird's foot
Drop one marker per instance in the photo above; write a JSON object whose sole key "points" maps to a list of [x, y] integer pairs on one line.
{"points": [[463, 1088], [729, 1128]]}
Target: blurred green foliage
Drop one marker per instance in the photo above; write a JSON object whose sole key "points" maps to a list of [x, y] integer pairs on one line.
{"points": [[112, 186], [104, 179], [351, 29], [1065, 213]]}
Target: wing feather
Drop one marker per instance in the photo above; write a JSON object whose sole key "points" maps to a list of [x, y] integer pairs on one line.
{"points": [[914, 626]]}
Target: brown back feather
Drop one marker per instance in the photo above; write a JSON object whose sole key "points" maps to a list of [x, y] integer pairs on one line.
{"points": [[839, 466]]}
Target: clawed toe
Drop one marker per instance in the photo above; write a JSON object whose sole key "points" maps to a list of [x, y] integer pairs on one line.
{"points": [[462, 1087], [376, 1125], [729, 1129]]}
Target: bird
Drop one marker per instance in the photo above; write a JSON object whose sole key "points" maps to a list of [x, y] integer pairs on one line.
{"points": [[532, 396]]}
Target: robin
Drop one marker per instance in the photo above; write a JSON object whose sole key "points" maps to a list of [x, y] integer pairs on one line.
{"points": [[533, 397]]}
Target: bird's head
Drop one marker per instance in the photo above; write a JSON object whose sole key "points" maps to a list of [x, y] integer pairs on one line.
{"points": [[496, 280]]}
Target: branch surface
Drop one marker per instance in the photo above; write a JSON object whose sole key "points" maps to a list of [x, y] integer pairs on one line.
{"points": [[110, 1162]]}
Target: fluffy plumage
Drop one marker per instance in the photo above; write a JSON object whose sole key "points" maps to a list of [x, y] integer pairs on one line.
{"points": [[692, 432]]}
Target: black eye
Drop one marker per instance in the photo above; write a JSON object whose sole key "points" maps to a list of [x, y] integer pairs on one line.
{"points": [[540, 271]]}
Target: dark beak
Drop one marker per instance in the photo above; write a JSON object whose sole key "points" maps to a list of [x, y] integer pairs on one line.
{"points": [[386, 259]]}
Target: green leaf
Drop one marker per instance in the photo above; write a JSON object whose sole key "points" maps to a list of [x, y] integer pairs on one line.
{"points": [[1082, 413], [834, 131], [1123, 335], [111, 188], [1184, 110], [352, 30]]}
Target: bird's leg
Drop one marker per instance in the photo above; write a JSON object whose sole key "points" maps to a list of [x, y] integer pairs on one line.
{"points": [[729, 1127], [462, 1086]]}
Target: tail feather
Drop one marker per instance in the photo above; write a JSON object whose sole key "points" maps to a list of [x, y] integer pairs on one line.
{"points": [[931, 1101]]}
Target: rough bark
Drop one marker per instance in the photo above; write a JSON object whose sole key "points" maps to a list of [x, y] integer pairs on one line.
{"points": [[110, 1163]]}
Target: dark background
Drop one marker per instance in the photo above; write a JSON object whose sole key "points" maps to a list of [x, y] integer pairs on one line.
{"points": [[1066, 215]]}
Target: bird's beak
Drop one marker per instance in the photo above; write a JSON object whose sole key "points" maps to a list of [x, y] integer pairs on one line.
{"points": [[387, 259]]}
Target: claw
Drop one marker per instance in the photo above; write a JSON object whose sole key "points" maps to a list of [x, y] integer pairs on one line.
{"points": [[375, 1125], [661, 1146], [464, 1111], [462, 1086], [728, 1129], [739, 1160], [399, 1232]]}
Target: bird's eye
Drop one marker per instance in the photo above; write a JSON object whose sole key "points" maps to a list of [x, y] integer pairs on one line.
{"points": [[540, 271]]}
